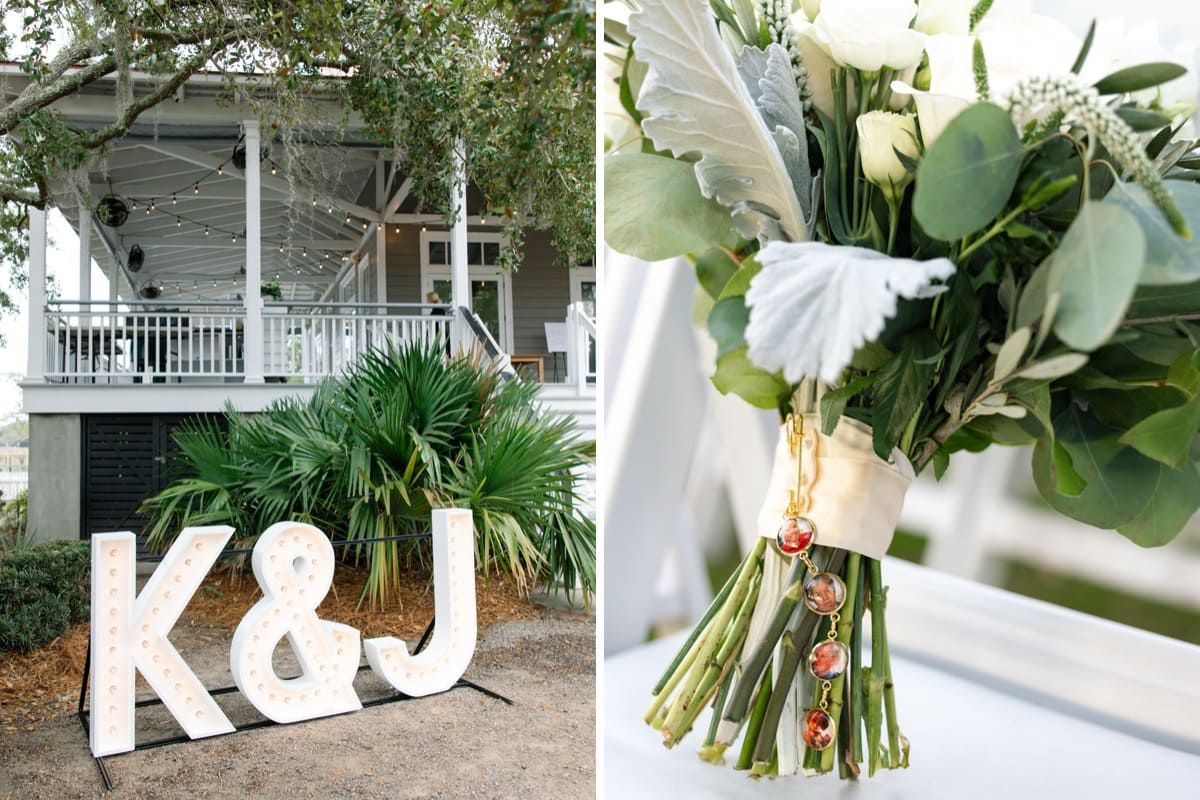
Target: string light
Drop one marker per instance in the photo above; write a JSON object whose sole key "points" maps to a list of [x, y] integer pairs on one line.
{"points": [[330, 209], [178, 222], [314, 201], [221, 171], [281, 247], [348, 219], [233, 237], [206, 230], [196, 189], [133, 204], [150, 207], [272, 167], [173, 200], [365, 224]]}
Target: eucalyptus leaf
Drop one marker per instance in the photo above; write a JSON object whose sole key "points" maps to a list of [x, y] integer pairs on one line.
{"points": [[1144, 499], [1167, 435], [967, 176], [739, 284], [1095, 270], [1170, 259], [714, 268], [1141, 76], [654, 209], [727, 324], [737, 374], [695, 102]]}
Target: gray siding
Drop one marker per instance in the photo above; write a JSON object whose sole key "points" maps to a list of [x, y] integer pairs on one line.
{"points": [[541, 288], [55, 453], [404, 264], [541, 292]]}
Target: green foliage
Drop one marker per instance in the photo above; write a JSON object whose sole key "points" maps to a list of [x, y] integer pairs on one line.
{"points": [[370, 454], [966, 178], [665, 214], [14, 519], [43, 591]]}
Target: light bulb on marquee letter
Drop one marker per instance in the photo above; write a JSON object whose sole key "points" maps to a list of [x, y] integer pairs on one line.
{"points": [[129, 635], [293, 563], [442, 663]]}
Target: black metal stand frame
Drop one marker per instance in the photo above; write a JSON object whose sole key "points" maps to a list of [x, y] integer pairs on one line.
{"points": [[83, 713]]}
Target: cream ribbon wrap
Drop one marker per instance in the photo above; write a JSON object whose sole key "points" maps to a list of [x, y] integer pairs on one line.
{"points": [[851, 495], [854, 499]]}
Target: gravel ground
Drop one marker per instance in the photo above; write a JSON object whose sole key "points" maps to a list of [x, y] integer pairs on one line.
{"points": [[460, 744]]}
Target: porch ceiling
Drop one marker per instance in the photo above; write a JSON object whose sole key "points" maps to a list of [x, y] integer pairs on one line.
{"points": [[185, 262]]}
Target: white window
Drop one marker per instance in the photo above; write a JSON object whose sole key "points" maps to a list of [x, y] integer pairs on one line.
{"points": [[491, 285]]}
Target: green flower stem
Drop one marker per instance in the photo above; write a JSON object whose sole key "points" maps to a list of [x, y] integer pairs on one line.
{"points": [[893, 202], [879, 629], [754, 728], [684, 664], [672, 729], [855, 688], [752, 669], [845, 629], [708, 750], [992, 232], [716, 604], [794, 648], [878, 680], [722, 665]]}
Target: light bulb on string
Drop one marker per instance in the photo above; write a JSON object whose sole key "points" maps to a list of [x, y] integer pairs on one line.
{"points": [[364, 225], [178, 222], [133, 204], [206, 230], [196, 189], [150, 207], [281, 247], [314, 201], [272, 167], [173, 200], [220, 171], [329, 210], [348, 220], [233, 237]]}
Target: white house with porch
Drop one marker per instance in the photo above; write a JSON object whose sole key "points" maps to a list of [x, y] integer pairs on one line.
{"points": [[234, 277]]}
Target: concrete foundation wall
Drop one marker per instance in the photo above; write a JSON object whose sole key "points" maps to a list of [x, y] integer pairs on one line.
{"points": [[55, 454]]}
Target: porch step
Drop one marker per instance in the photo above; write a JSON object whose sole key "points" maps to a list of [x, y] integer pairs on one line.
{"points": [[568, 400]]}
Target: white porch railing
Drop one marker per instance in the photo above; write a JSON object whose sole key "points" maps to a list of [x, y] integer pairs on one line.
{"points": [[308, 341], [581, 352], [139, 341], [142, 342]]}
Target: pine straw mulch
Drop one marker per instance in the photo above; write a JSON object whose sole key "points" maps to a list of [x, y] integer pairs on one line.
{"points": [[45, 683]]}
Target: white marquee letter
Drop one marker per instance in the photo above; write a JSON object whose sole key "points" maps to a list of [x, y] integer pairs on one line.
{"points": [[438, 666], [293, 563], [129, 635]]}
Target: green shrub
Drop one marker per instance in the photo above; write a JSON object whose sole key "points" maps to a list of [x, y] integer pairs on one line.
{"points": [[403, 431], [43, 591]]}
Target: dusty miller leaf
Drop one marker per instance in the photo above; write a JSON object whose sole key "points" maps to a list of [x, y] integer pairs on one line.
{"points": [[695, 102], [814, 304]]}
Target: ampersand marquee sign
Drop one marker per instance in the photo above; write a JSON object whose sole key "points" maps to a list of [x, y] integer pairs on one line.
{"points": [[293, 563]]}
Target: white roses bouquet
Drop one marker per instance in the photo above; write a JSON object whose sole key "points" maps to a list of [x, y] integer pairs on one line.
{"points": [[917, 228]]}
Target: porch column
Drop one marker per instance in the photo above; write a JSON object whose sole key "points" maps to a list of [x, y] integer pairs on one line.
{"points": [[460, 281], [37, 296], [85, 255], [252, 344]]}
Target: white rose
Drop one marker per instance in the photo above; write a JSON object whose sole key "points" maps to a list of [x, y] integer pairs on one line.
{"points": [[934, 111], [869, 34], [1017, 45], [817, 61], [880, 135], [944, 16]]}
